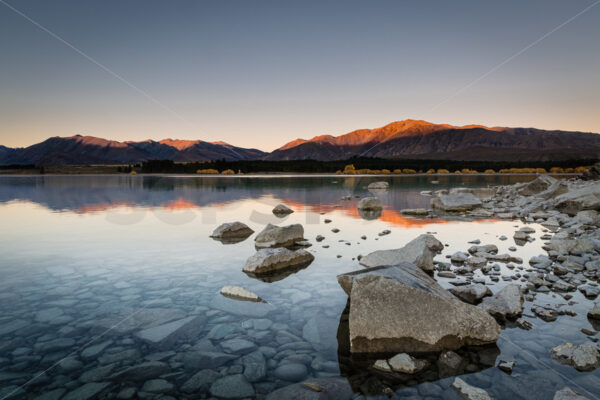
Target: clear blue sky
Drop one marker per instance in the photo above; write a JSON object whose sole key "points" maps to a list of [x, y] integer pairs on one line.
{"points": [[261, 73]]}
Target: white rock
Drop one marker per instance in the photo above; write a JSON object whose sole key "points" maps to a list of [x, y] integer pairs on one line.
{"points": [[239, 293]]}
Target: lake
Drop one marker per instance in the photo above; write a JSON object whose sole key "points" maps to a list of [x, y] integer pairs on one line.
{"points": [[88, 262]]}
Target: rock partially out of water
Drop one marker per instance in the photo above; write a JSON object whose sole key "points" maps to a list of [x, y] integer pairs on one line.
{"points": [[406, 364], [594, 313], [470, 392], [239, 293], [472, 293], [267, 261], [402, 309], [457, 202], [507, 303], [370, 204], [282, 209], [232, 232], [379, 185], [415, 211], [583, 357], [419, 251], [279, 236]]}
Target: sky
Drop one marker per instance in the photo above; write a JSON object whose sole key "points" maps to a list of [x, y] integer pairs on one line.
{"points": [[261, 73]]}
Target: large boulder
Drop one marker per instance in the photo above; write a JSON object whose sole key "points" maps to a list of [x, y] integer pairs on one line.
{"points": [[457, 202], [279, 236], [419, 251], [402, 309], [232, 232], [507, 303], [267, 261], [586, 197], [369, 204]]}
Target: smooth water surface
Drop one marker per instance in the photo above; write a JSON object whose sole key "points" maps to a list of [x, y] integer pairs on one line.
{"points": [[88, 262]]}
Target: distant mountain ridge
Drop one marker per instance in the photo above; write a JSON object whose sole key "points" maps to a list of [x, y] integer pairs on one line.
{"points": [[424, 140], [408, 139], [82, 150]]}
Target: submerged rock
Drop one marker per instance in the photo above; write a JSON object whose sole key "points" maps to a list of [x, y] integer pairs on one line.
{"points": [[279, 236], [232, 387], [267, 261], [370, 204], [282, 209], [315, 389], [232, 232], [583, 357], [507, 303], [164, 336], [456, 202], [90, 390], [402, 309], [567, 393], [419, 251]]}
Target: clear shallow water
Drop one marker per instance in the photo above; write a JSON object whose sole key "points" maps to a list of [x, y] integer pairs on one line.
{"points": [[92, 260]]}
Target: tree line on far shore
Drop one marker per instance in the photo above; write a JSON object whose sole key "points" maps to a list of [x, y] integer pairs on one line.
{"points": [[357, 165]]}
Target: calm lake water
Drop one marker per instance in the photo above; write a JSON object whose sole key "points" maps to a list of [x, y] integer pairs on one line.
{"points": [[87, 262]]}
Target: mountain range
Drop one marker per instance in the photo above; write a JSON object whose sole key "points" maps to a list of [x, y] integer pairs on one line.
{"points": [[408, 139]]}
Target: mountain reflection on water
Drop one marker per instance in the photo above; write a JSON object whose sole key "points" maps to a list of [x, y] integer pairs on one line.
{"points": [[98, 193]]}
